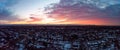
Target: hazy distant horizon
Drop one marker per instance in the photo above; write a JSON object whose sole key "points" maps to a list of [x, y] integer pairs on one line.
{"points": [[53, 25]]}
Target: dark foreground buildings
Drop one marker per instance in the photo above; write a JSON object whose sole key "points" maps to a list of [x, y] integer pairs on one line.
{"points": [[59, 37]]}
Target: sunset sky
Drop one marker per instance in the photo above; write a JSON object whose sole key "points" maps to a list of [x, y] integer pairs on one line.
{"points": [[83, 12]]}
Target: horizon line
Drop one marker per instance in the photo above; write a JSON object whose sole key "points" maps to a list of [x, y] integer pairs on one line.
{"points": [[59, 25]]}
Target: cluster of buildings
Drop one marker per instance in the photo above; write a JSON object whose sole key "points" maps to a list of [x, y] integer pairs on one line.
{"points": [[59, 38]]}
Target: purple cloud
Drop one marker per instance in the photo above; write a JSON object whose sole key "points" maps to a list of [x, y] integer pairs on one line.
{"points": [[86, 10]]}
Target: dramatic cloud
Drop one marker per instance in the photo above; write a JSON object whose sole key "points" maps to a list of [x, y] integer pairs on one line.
{"points": [[100, 12], [103, 11]]}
